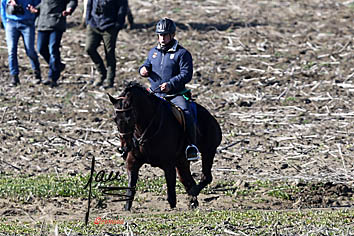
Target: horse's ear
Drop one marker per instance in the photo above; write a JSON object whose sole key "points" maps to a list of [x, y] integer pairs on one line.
{"points": [[112, 99]]}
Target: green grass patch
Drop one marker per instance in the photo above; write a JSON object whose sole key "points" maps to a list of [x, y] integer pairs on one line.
{"points": [[18, 228], [252, 222], [44, 186], [48, 186]]}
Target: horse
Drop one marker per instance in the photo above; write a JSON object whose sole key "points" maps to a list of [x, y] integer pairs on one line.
{"points": [[150, 133]]}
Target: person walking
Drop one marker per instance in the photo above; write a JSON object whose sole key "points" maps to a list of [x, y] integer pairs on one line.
{"points": [[169, 67], [104, 19], [130, 16], [19, 22], [51, 24]]}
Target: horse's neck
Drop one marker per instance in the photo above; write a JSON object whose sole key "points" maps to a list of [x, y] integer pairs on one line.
{"points": [[146, 111]]}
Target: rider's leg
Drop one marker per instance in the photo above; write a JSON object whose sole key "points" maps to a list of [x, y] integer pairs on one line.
{"points": [[191, 150]]}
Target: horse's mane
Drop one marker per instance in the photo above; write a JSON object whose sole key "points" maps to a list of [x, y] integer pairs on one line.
{"points": [[136, 85], [131, 85]]}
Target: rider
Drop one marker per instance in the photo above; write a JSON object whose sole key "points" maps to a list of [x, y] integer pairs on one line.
{"points": [[169, 67]]}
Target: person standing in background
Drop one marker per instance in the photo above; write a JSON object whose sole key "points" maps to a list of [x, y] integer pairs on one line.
{"points": [[130, 16], [104, 19], [51, 24], [19, 22]]}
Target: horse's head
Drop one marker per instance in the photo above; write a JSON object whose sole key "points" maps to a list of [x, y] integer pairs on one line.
{"points": [[135, 110], [125, 119]]}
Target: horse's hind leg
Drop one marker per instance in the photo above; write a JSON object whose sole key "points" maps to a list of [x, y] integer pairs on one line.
{"points": [[207, 178], [188, 182]]}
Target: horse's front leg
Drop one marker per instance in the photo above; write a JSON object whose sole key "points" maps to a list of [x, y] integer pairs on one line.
{"points": [[170, 175], [133, 167], [187, 180]]}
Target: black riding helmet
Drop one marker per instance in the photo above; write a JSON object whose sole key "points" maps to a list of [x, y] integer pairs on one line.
{"points": [[165, 26]]}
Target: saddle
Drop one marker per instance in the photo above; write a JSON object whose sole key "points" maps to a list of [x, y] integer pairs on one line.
{"points": [[179, 114], [177, 111]]}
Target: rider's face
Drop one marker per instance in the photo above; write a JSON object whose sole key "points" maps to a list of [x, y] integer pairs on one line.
{"points": [[164, 38]]}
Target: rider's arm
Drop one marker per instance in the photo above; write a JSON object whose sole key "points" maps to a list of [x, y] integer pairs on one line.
{"points": [[147, 65], [178, 82]]}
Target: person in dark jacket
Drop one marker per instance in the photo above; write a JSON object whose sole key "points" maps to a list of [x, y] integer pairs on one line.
{"points": [[169, 67], [51, 24], [130, 16], [19, 22], [104, 19]]}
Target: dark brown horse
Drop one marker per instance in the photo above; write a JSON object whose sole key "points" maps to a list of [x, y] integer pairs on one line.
{"points": [[150, 133]]}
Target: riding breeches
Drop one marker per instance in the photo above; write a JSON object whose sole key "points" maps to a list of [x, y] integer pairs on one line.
{"points": [[185, 105]]}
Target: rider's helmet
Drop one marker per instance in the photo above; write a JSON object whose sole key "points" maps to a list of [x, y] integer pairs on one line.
{"points": [[165, 26]]}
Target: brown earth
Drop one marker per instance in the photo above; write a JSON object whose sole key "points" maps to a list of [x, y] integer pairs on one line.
{"points": [[277, 75]]}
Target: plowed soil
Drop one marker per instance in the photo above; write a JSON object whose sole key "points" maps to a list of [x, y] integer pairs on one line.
{"points": [[277, 75]]}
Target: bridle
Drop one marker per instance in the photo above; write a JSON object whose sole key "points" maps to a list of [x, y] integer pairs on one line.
{"points": [[121, 110], [124, 135], [131, 133]]}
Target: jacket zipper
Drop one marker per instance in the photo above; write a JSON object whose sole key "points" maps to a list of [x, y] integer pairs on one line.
{"points": [[161, 63]]}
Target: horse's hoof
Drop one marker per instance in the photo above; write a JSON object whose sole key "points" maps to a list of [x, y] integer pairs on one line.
{"points": [[193, 202], [172, 205], [194, 191], [127, 207]]}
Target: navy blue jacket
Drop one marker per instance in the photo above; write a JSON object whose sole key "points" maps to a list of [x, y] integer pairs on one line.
{"points": [[104, 14], [174, 67]]}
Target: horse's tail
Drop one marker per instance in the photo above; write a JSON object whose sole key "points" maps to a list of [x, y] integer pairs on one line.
{"points": [[210, 134]]}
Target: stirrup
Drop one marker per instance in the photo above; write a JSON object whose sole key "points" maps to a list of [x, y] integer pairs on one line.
{"points": [[194, 157]]}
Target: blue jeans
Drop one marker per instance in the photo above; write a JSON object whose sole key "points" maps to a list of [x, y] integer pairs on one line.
{"points": [[48, 44], [14, 30]]}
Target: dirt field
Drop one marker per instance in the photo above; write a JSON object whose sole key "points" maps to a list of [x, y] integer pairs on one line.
{"points": [[277, 75]]}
